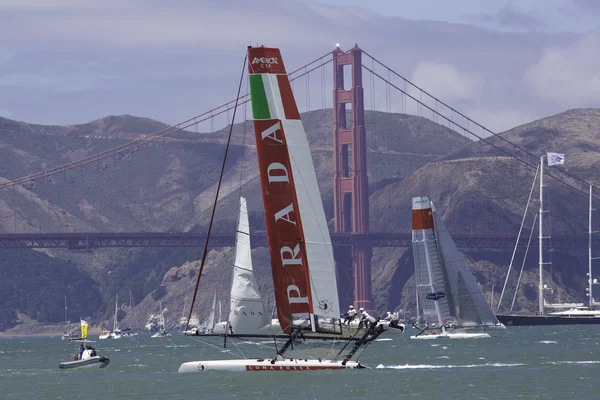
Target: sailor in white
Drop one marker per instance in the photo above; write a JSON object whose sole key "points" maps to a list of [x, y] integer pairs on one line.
{"points": [[388, 316], [351, 314], [366, 317]]}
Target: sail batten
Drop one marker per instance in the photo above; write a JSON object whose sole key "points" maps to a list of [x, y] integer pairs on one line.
{"points": [[299, 242]]}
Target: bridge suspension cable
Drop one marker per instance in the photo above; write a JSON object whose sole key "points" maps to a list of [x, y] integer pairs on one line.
{"points": [[466, 129], [224, 108]]}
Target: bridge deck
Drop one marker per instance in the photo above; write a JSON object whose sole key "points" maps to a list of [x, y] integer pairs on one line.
{"points": [[93, 240]]}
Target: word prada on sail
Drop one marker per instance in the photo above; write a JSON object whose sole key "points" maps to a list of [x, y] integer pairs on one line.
{"points": [[278, 173]]}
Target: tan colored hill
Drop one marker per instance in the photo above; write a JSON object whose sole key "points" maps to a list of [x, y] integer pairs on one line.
{"points": [[169, 185]]}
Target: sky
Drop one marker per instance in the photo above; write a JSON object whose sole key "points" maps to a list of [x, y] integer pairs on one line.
{"points": [[502, 63]]}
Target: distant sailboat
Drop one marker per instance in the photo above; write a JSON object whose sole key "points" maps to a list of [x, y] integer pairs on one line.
{"points": [[452, 303], [116, 332], [247, 313], [69, 334], [162, 333], [572, 313], [131, 332]]}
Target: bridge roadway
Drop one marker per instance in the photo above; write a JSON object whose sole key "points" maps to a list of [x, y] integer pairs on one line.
{"points": [[94, 240]]}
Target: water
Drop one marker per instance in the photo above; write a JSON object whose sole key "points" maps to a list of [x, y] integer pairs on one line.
{"points": [[522, 362]]}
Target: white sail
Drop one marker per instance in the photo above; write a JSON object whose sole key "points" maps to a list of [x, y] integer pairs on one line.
{"points": [[210, 322], [449, 294], [247, 311]]}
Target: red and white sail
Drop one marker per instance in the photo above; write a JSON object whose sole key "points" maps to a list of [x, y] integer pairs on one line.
{"points": [[300, 246]]}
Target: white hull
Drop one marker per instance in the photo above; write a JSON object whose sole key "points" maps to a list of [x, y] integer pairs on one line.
{"points": [[452, 335], [94, 362], [266, 365]]}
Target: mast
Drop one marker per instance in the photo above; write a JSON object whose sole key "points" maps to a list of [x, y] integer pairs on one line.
{"points": [[590, 258], [67, 324], [541, 238], [115, 323]]}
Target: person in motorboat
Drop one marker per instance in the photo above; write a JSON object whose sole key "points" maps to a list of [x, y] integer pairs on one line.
{"points": [[388, 316], [350, 315], [81, 350]]}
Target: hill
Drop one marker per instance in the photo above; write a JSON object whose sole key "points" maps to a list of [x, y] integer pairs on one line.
{"points": [[169, 185]]}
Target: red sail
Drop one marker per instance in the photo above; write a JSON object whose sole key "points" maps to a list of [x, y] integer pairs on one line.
{"points": [[284, 228]]}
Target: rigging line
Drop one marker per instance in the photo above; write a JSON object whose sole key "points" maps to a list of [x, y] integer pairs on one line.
{"points": [[212, 217], [469, 119], [523, 264], [525, 162]]}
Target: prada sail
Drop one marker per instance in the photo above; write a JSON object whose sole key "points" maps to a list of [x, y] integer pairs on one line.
{"points": [[299, 242]]}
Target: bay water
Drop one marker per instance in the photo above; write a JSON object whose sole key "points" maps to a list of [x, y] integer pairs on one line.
{"points": [[555, 362]]}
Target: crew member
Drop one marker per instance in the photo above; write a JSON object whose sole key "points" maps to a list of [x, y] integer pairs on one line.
{"points": [[350, 315]]}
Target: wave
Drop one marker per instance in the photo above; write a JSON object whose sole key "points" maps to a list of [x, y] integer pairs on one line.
{"points": [[572, 362], [547, 342], [430, 366]]}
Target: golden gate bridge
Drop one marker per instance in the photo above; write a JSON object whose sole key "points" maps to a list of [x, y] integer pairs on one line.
{"points": [[351, 220]]}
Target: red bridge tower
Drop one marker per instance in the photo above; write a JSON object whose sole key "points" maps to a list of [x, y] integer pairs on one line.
{"points": [[350, 182]]}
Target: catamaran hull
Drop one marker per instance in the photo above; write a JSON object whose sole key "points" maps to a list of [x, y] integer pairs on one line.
{"points": [[266, 365], [457, 335], [534, 320], [94, 362]]}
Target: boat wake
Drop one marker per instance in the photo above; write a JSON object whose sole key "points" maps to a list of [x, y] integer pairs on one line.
{"points": [[429, 366], [572, 362], [547, 342]]}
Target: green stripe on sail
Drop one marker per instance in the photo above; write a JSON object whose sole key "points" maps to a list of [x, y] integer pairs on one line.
{"points": [[260, 105]]}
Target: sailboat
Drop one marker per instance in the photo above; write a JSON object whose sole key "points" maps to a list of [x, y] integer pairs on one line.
{"points": [[575, 313], [248, 313], [129, 332], [452, 303], [69, 334], [162, 333], [300, 248], [88, 357], [116, 332]]}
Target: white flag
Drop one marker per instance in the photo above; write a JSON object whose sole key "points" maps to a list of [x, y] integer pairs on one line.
{"points": [[555, 158]]}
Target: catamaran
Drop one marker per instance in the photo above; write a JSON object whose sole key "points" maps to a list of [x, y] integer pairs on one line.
{"points": [[300, 246], [452, 303], [88, 357]]}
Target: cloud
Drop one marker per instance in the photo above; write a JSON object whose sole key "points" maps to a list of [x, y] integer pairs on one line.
{"points": [[54, 83], [587, 6], [446, 82], [508, 17], [568, 76]]}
